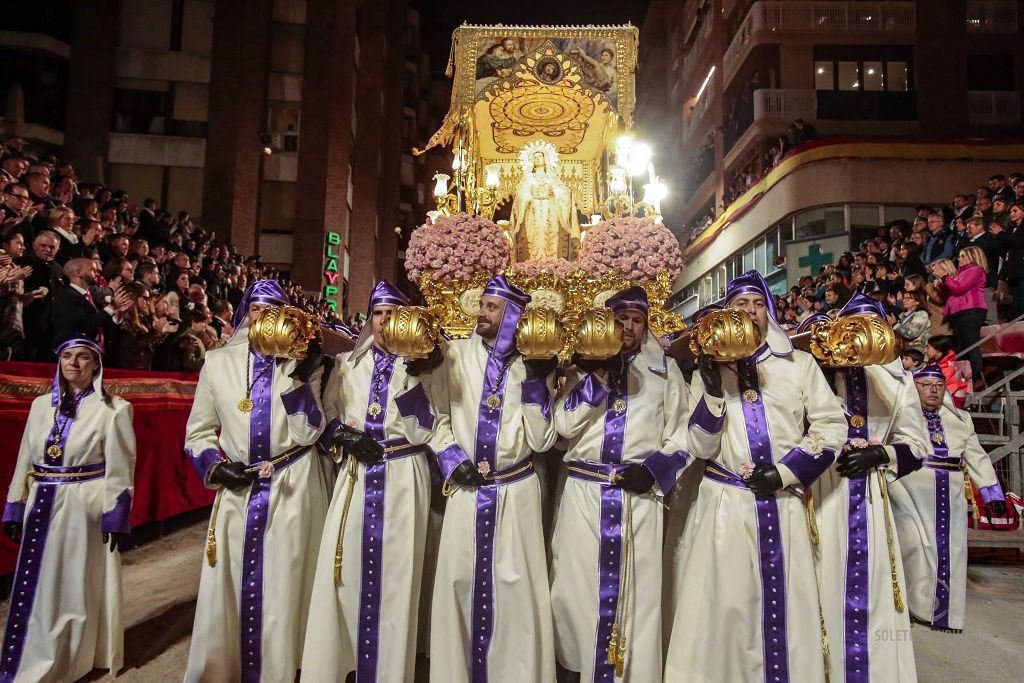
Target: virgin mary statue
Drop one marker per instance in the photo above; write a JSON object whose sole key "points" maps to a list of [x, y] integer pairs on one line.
{"points": [[543, 221]]}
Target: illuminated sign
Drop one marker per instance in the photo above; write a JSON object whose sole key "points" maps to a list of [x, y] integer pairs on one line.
{"points": [[332, 257]]}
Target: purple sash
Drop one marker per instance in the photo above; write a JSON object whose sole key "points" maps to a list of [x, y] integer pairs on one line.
{"points": [[940, 464], [771, 558], [856, 602], [36, 528], [372, 552]]}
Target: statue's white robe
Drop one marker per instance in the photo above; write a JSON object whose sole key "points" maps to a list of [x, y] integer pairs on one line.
{"points": [[588, 524], [727, 610], [293, 505], [75, 621], [518, 600], [383, 585], [931, 518], [875, 646]]}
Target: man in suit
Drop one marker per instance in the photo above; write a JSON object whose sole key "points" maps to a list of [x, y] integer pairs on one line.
{"points": [[222, 314], [42, 285], [74, 311]]}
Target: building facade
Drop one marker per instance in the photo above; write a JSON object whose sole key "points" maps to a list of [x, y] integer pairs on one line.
{"points": [[912, 102], [286, 126]]}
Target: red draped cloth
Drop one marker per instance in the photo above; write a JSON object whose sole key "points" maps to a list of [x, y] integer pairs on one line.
{"points": [[165, 482]]}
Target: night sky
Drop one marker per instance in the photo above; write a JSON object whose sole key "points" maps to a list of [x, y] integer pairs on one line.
{"points": [[438, 18]]}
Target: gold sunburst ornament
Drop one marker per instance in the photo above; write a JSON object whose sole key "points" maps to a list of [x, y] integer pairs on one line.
{"points": [[245, 405], [750, 396], [857, 421], [54, 451], [619, 406], [493, 401], [374, 410]]}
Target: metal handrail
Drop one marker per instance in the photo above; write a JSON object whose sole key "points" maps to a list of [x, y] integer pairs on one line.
{"points": [[981, 341]]}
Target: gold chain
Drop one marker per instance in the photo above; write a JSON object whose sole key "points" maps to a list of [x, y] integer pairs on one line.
{"points": [[63, 475], [351, 473], [896, 595], [612, 477]]}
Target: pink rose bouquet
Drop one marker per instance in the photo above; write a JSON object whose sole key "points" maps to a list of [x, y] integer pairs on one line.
{"points": [[558, 267], [455, 247], [638, 248]]}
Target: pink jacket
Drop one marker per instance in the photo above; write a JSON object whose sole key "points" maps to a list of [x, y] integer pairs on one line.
{"points": [[966, 289]]}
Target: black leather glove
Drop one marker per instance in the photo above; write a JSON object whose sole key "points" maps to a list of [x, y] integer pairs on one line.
{"points": [[710, 374], [305, 368], [589, 365], [420, 365], [764, 481], [363, 446], [537, 369], [998, 508], [232, 475], [859, 461], [116, 540], [635, 479], [466, 474], [13, 531]]}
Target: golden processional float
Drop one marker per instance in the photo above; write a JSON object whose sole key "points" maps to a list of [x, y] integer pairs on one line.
{"points": [[547, 183]]}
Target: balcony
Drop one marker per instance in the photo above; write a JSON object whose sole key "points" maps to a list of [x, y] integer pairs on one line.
{"points": [[993, 108], [790, 16], [991, 16], [692, 59], [785, 105]]}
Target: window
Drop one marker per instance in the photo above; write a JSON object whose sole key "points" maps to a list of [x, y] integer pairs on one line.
{"points": [[824, 76], [772, 249], [873, 76], [748, 259], [990, 72], [896, 77], [819, 222], [849, 76], [140, 111], [759, 256]]}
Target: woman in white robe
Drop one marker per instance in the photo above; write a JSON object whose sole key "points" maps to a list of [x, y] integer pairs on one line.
{"points": [[70, 496], [747, 606], [257, 574], [369, 626], [930, 508]]}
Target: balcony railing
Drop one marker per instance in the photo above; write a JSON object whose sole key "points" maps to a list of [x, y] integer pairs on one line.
{"points": [[993, 108], [991, 16], [691, 61], [785, 105], [817, 17]]}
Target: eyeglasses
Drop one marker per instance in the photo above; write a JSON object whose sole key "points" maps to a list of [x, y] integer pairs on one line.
{"points": [[931, 386]]}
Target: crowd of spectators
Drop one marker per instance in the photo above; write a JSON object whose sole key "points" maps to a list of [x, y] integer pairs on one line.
{"points": [[941, 278], [158, 290]]}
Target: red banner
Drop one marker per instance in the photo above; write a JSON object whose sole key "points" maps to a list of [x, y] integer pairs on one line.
{"points": [[165, 482]]}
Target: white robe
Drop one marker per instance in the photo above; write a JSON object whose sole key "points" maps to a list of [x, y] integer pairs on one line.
{"points": [[653, 432], [725, 621], [931, 519], [295, 512], [76, 621], [386, 585], [892, 419], [518, 599]]}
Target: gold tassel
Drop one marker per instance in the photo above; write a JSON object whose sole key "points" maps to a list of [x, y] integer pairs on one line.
{"points": [[972, 502], [351, 473], [620, 657], [611, 644], [211, 532], [897, 596]]}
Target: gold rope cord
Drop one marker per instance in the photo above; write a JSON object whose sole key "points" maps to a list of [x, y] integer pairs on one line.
{"points": [[617, 644], [351, 473], [814, 535], [896, 595], [211, 532]]}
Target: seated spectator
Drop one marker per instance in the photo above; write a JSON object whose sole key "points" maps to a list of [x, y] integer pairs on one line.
{"points": [[913, 325], [912, 360]]}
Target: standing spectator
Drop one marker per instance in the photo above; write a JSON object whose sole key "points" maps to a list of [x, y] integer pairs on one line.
{"points": [[940, 241], [1012, 243], [74, 309], [965, 304], [223, 312], [805, 132], [935, 304], [913, 324], [910, 260], [1018, 190], [999, 188], [978, 236], [41, 286], [61, 220]]}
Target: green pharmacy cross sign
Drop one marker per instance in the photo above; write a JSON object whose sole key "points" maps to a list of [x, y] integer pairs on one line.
{"points": [[815, 259]]}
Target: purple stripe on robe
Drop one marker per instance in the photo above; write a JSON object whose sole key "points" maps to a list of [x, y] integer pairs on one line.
{"points": [[204, 461], [905, 460], [488, 426], [302, 400], [666, 467], [807, 467], [940, 612], [705, 420], [589, 390], [116, 519], [14, 511], [857, 586], [372, 550], [256, 519], [771, 558], [610, 550], [414, 403], [30, 561], [535, 392]]}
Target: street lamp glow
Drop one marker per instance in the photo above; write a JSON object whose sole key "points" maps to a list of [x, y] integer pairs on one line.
{"points": [[705, 83], [639, 158]]}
